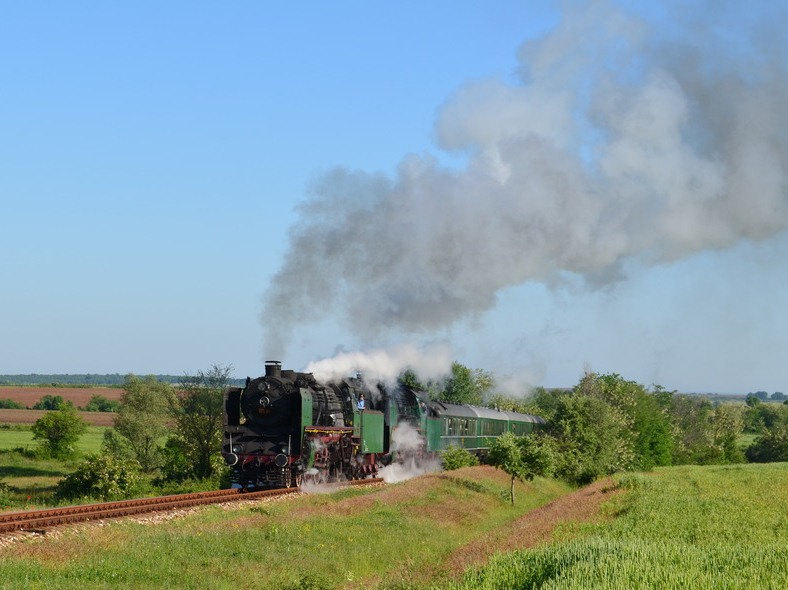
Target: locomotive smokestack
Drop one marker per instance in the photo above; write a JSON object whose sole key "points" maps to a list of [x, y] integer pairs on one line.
{"points": [[273, 369]]}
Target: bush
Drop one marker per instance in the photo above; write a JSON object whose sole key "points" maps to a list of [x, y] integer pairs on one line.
{"points": [[99, 403], [59, 431], [100, 477], [50, 402], [9, 404], [770, 447], [455, 458], [7, 492]]}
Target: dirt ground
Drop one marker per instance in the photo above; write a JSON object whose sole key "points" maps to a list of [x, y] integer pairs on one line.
{"points": [[30, 416], [79, 396]]}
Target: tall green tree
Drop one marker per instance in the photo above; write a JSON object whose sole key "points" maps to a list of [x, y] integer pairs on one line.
{"points": [[196, 407], [700, 431], [591, 441], [142, 417], [59, 431], [466, 386]]}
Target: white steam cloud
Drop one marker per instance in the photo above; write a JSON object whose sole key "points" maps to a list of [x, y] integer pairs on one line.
{"points": [[385, 365], [623, 138]]}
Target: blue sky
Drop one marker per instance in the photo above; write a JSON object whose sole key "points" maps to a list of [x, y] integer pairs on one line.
{"points": [[154, 156]]}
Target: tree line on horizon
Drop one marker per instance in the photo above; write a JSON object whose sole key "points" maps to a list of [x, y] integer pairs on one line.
{"points": [[86, 379]]}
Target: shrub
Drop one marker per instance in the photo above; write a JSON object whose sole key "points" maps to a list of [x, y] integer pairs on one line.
{"points": [[7, 492], [455, 458], [59, 431], [770, 447], [9, 404], [100, 477], [99, 403], [50, 402]]}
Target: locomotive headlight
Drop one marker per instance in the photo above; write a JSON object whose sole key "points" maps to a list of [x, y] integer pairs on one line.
{"points": [[237, 448]]}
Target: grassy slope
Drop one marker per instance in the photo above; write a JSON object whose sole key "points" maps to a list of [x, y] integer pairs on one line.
{"points": [[681, 527], [684, 527], [355, 537]]}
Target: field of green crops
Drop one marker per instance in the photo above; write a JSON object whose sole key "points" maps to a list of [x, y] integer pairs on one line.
{"points": [[680, 527]]}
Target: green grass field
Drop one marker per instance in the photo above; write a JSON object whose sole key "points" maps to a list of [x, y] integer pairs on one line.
{"points": [[684, 528], [356, 538], [33, 479], [678, 528], [19, 436]]}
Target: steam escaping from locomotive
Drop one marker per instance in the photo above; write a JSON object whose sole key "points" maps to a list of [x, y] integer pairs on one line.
{"points": [[385, 365], [624, 138]]}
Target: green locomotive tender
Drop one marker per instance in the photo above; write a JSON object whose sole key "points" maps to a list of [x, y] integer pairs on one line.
{"points": [[285, 428]]}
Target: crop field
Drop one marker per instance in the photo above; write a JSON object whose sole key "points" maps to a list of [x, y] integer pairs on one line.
{"points": [[678, 528], [79, 396], [687, 528]]}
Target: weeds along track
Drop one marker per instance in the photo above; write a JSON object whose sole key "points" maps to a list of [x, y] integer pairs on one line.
{"points": [[40, 520]]}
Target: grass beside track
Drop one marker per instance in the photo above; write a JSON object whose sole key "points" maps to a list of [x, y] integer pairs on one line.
{"points": [[682, 527], [679, 528], [355, 537]]}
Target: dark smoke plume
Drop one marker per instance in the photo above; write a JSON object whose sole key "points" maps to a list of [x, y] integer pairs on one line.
{"points": [[623, 138]]}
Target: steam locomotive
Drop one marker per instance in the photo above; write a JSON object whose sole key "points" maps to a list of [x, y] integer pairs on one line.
{"points": [[285, 428]]}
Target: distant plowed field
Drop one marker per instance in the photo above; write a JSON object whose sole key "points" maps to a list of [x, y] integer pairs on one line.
{"points": [[30, 416], [79, 396]]}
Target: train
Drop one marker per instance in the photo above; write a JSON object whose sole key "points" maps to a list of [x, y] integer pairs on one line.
{"points": [[286, 428]]}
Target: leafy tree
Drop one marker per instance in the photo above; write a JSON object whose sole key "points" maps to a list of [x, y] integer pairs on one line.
{"points": [[466, 386], [727, 424], [196, 408], [176, 467], [522, 457], [779, 396], [59, 430], [654, 439], [762, 417], [508, 403], [456, 458], [142, 417], [771, 446], [100, 477], [50, 402], [117, 445], [691, 416], [546, 401], [752, 400], [99, 403], [591, 441]]}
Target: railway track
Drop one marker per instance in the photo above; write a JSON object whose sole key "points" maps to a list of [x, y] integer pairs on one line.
{"points": [[40, 520]]}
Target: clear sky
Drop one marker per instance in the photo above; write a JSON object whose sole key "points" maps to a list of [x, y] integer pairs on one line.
{"points": [[544, 188]]}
